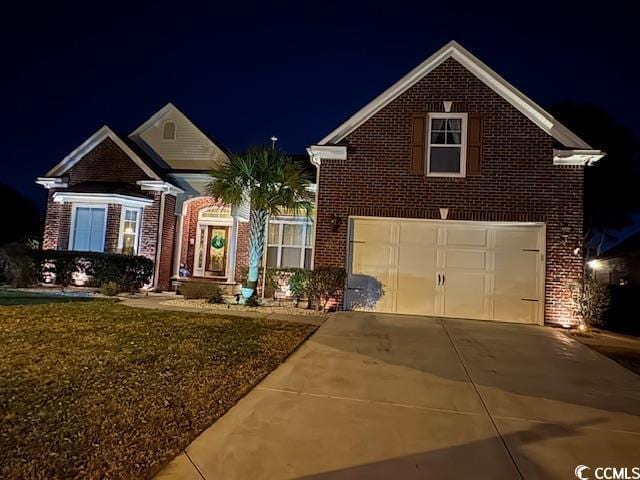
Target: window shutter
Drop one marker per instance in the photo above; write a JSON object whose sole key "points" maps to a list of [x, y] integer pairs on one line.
{"points": [[418, 133], [474, 144]]}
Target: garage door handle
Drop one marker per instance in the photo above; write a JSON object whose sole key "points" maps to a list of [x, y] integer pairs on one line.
{"points": [[438, 279]]}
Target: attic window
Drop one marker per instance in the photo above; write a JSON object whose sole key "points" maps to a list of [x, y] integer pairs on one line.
{"points": [[169, 131]]}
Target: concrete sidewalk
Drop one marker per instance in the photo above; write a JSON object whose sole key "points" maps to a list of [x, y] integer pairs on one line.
{"points": [[384, 396], [155, 302]]}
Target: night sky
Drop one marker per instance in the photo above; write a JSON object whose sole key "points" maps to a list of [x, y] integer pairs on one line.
{"points": [[245, 72]]}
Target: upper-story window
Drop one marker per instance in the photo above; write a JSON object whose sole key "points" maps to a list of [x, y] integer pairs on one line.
{"points": [[447, 144], [169, 131]]}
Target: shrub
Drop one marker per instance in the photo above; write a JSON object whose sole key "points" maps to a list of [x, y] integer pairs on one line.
{"points": [[590, 301], [17, 267], [198, 290], [299, 285], [326, 283], [110, 289], [216, 295], [129, 272]]}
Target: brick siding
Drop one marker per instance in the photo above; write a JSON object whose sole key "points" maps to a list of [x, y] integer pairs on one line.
{"points": [[167, 242], [518, 182], [106, 163]]}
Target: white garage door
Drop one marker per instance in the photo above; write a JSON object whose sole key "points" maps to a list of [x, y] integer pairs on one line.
{"points": [[492, 271]]}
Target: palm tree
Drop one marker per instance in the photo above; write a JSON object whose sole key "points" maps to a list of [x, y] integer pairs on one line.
{"points": [[271, 182]]}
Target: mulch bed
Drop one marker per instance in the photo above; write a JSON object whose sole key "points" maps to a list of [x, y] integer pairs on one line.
{"points": [[101, 390]]}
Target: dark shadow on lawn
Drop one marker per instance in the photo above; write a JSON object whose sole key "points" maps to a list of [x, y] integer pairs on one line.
{"points": [[15, 297]]}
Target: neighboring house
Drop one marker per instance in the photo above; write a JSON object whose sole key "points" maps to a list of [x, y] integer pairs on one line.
{"points": [[145, 194], [453, 194], [619, 265]]}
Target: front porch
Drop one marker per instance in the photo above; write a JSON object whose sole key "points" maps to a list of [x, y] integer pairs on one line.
{"points": [[212, 244]]}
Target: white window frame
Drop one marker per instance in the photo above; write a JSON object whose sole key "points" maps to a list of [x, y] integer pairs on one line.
{"points": [[463, 144], [306, 224], [136, 238], [72, 227]]}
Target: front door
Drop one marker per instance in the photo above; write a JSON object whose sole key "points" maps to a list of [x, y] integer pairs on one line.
{"points": [[217, 247]]}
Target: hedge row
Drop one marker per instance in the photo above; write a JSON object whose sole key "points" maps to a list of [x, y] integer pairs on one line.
{"points": [[129, 272]]}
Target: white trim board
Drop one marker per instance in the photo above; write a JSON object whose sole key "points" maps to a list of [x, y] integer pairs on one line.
{"points": [[89, 144], [454, 50], [102, 198]]}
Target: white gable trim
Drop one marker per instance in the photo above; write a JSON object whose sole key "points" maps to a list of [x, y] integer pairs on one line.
{"points": [[329, 152], [494, 81], [52, 182], [159, 186], [94, 140], [102, 198], [156, 117], [576, 157]]}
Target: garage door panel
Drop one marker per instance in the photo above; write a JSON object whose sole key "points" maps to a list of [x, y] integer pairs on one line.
{"points": [[513, 309], [418, 233], [516, 274], [466, 237], [517, 239], [371, 231], [466, 259], [371, 256], [465, 295], [414, 294]]}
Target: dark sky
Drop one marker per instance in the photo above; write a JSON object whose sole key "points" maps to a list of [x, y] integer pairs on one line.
{"points": [[244, 72]]}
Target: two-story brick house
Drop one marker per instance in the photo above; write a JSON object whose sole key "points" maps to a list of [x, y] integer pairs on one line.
{"points": [[453, 194]]}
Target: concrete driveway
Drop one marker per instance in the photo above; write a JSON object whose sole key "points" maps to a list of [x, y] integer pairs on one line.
{"points": [[386, 396]]}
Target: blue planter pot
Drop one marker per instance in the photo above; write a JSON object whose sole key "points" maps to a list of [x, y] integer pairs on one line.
{"points": [[246, 292]]}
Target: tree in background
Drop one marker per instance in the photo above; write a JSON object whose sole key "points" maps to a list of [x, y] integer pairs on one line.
{"points": [[21, 220], [271, 183], [611, 185]]}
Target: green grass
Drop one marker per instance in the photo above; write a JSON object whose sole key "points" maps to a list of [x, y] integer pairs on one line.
{"points": [[100, 390], [17, 297]]}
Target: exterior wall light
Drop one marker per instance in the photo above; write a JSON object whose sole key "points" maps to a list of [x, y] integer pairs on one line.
{"points": [[444, 213], [594, 264], [336, 222]]}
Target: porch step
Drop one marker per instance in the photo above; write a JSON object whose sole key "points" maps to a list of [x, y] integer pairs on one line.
{"points": [[228, 288]]}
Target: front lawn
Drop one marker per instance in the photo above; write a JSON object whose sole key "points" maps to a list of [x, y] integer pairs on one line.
{"points": [[100, 390]]}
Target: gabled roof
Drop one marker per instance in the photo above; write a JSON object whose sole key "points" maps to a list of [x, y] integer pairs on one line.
{"points": [[94, 140], [454, 50], [136, 135]]}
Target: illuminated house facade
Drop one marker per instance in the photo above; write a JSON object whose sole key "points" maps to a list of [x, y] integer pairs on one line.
{"points": [[145, 194], [453, 194]]}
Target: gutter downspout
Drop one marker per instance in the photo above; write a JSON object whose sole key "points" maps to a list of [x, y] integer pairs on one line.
{"points": [[315, 160]]}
